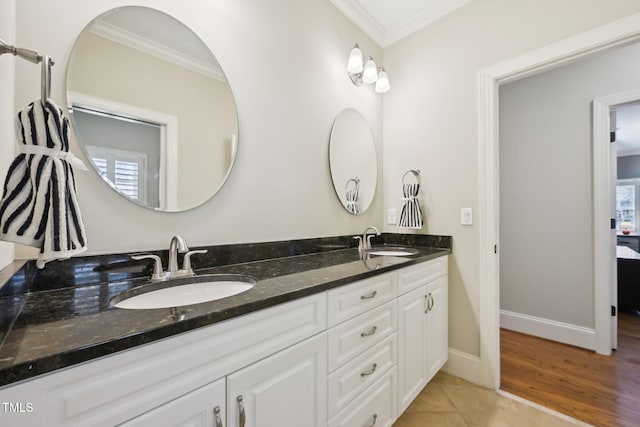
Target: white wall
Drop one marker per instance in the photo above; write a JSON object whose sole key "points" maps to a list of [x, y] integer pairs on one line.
{"points": [[430, 118], [7, 112], [285, 61], [546, 221]]}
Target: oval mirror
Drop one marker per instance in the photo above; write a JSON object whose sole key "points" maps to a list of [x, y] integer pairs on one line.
{"points": [[152, 109], [353, 162]]}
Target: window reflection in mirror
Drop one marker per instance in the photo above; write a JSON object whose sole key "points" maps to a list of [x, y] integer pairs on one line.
{"points": [[136, 68]]}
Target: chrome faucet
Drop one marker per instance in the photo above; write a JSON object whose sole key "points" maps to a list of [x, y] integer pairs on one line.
{"points": [[364, 241], [177, 245]]}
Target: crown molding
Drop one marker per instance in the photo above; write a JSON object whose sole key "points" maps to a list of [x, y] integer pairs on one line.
{"points": [[387, 36], [436, 10], [363, 19], [150, 47]]}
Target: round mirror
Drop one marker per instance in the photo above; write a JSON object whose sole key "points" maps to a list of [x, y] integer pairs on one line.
{"points": [[152, 109], [352, 160]]}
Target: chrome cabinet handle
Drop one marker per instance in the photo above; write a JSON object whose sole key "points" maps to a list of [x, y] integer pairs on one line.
{"points": [[369, 332], [370, 371], [430, 302], [243, 416], [216, 414], [369, 296], [426, 303], [373, 421]]}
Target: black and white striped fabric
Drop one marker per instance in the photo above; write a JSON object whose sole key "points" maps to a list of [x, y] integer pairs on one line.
{"points": [[39, 205], [351, 196], [352, 202], [411, 214]]}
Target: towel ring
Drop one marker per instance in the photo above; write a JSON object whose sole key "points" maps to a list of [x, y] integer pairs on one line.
{"points": [[356, 182], [415, 172]]}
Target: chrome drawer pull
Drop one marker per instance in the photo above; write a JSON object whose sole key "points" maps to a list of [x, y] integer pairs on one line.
{"points": [[373, 421], [369, 332], [243, 416], [369, 296], [216, 414], [430, 302], [370, 371]]}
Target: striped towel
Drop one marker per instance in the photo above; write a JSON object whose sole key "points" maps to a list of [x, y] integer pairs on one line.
{"points": [[39, 206], [352, 202], [411, 215], [352, 196]]}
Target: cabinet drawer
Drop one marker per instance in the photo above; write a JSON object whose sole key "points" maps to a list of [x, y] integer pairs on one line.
{"points": [[350, 300], [348, 381], [354, 336], [200, 407], [376, 406], [417, 275]]}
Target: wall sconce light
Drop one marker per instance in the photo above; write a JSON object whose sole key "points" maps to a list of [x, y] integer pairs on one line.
{"points": [[366, 71]]}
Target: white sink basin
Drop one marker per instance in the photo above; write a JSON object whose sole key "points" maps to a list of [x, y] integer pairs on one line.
{"points": [[184, 291], [391, 252]]}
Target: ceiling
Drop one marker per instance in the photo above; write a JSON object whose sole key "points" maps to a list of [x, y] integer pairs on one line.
{"points": [[387, 21]]}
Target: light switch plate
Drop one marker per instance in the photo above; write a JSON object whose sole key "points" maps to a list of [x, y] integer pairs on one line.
{"points": [[392, 216], [466, 216]]}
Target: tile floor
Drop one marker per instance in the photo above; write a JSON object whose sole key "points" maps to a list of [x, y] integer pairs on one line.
{"points": [[449, 401]]}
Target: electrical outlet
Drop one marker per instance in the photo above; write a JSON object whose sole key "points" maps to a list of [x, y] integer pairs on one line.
{"points": [[392, 216], [466, 216]]}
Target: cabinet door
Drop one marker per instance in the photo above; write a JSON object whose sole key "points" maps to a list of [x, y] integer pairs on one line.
{"points": [[288, 389], [437, 343], [412, 334], [203, 407]]}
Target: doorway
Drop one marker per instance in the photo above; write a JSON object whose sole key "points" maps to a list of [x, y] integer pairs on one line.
{"points": [[614, 34]]}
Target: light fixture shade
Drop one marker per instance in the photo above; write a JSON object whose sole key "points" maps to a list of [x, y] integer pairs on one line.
{"points": [[382, 84], [370, 72], [354, 64]]}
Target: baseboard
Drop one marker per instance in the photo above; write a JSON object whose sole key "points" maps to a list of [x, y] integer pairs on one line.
{"points": [[566, 333], [463, 365]]}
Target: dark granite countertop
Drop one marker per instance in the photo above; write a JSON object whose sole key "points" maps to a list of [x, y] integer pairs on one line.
{"points": [[48, 324]]}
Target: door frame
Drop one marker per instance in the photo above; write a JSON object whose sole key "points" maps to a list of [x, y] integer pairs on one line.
{"points": [[614, 34]]}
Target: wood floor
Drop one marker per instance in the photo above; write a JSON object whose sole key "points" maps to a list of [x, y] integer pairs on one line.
{"points": [[599, 390]]}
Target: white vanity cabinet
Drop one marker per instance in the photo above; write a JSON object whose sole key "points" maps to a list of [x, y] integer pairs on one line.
{"points": [[356, 355], [363, 353], [422, 327], [180, 378], [204, 407], [287, 389]]}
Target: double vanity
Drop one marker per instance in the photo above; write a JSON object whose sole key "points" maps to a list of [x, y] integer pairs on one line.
{"points": [[325, 335]]}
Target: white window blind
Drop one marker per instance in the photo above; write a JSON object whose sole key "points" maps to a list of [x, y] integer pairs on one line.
{"points": [[124, 170]]}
